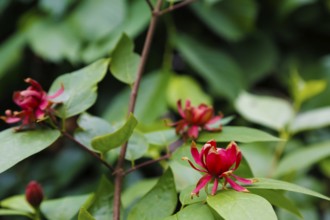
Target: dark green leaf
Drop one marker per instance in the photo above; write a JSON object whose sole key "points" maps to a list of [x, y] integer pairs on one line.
{"points": [[90, 127], [239, 134], [107, 142], [85, 215], [125, 62], [263, 183], [232, 205], [261, 110], [80, 88], [64, 208], [16, 146], [220, 71], [310, 154], [276, 198], [231, 19], [159, 202], [100, 205]]}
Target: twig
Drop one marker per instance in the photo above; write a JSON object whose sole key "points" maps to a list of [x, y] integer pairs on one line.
{"points": [[105, 163], [119, 171], [150, 5], [166, 156], [174, 7]]}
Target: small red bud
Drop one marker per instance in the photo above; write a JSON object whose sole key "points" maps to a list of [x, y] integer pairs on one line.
{"points": [[34, 194]]}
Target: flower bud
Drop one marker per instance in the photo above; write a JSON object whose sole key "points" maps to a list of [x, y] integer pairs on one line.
{"points": [[34, 194]]}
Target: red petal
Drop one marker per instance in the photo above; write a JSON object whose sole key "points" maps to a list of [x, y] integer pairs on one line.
{"points": [[201, 183], [238, 160], [235, 186], [57, 93], [193, 166], [242, 180], [34, 83], [205, 116], [195, 154], [215, 187], [214, 163], [193, 132]]}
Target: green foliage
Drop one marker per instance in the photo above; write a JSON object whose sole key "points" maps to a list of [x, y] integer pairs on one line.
{"points": [[80, 88], [159, 202], [124, 62], [236, 205], [16, 146], [193, 212], [106, 142]]}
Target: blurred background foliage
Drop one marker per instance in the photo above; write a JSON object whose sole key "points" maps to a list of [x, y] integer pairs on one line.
{"points": [[209, 52]]}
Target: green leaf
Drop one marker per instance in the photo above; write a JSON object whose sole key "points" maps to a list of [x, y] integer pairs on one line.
{"points": [[84, 215], [125, 62], [230, 19], [63, 208], [261, 110], [219, 70], [184, 176], [183, 88], [310, 120], [90, 127], [237, 133], [16, 146], [276, 198], [310, 154], [80, 88], [11, 52], [107, 142], [104, 16], [137, 146], [232, 205], [162, 138], [55, 8], [264, 183], [100, 205], [17, 203], [186, 199], [136, 191], [288, 6], [14, 212], [193, 212], [159, 202]]}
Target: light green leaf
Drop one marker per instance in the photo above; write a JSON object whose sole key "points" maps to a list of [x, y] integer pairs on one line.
{"points": [[162, 138], [100, 204], [64, 208], [268, 111], [125, 62], [159, 202], [232, 205], [104, 16], [107, 142], [220, 71], [85, 215], [136, 191], [11, 52], [137, 146], [264, 183], [80, 88], [17, 203], [193, 212], [183, 88], [90, 127], [4, 212], [16, 146], [56, 8], [276, 198], [231, 19], [186, 199], [310, 120], [184, 176], [237, 133], [303, 158]]}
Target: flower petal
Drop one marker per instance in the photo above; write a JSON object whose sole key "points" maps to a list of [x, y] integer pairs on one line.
{"points": [[235, 186], [34, 83], [215, 186], [201, 183], [57, 93], [193, 132], [195, 154], [213, 162], [242, 180], [180, 108], [193, 166]]}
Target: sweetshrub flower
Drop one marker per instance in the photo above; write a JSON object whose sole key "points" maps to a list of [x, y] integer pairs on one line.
{"points": [[34, 194], [217, 164], [195, 119], [34, 102]]}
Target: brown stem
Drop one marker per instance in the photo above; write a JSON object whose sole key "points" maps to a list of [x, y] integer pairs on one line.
{"points": [[150, 5], [174, 7], [166, 156], [119, 171], [87, 150]]}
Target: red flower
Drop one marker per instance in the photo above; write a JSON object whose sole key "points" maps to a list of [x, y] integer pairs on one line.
{"points": [[195, 119], [34, 102], [34, 194], [217, 163]]}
